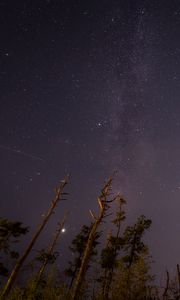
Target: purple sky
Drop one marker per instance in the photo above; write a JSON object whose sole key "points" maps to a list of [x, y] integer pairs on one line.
{"points": [[89, 87]]}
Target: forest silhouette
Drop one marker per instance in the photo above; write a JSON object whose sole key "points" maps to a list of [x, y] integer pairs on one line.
{"points": [[113, 265]]}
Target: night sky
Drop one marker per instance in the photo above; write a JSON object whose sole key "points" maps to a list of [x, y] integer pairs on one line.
{"points": [[87, 88]]}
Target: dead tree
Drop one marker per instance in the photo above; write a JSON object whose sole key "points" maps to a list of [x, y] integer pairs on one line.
{"points": [[165, 294], [104, 206], [50, 251], [58, 196]]}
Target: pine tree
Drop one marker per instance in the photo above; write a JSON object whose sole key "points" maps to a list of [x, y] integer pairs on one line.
{"points": [[134, 247], [77, 249], [140, 281], [10, 231]]}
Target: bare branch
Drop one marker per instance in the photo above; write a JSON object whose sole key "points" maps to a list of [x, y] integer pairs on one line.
{"points": [[92, 215]]}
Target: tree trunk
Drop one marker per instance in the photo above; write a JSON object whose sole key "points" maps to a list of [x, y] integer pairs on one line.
{"points": [[15, 271], [103, 203], [167, 286], [50, 251]]}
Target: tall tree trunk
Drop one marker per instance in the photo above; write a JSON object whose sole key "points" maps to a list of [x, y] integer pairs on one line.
{"points": [[73, 277], [106, 270], [128, 283], [110, 272], [50, 251], [165, 294], [15, 271], [103, 204]]}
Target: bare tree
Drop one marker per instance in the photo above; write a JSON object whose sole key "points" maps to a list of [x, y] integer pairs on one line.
{"points": [[50, 250], [104, 206], [165, 294], [58, 196]]}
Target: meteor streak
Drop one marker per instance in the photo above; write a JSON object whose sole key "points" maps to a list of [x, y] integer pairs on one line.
{"points": [[17, 151]]}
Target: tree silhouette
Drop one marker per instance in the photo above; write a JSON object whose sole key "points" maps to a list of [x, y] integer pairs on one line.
{"points": [[134, 246], [10, 231], [109, 254], [58, 196], [77, 248], [97, 220]]}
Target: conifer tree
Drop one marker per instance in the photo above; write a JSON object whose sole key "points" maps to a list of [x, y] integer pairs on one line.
{"points": [[134, 247], [109, 254], [10, 231], [140, 281], [77, 248]]}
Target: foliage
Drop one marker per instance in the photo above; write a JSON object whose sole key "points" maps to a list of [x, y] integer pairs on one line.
{"points": [[49, 289], [110, 253], [123, 270], [139, 279], [43, 256], [77, 249], [133, 244], [10, 231]]}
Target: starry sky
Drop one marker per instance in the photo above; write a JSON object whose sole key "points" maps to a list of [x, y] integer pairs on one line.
{"points": [[87, 88]]}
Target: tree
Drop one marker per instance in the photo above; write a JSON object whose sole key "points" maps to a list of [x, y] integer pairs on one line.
{"points": [[104, 206], [49, 256], [110, 253], [139, 279], [10, 231], [134, 247], [77, 248], [58, 196]]}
